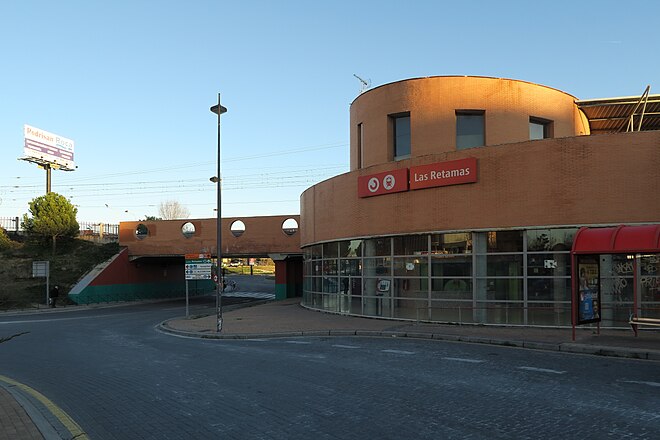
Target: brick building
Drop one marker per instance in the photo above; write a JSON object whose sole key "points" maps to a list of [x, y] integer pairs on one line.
{"points": [[464, 196]]}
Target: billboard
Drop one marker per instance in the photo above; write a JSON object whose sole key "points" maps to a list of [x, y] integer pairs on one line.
{"points": [[47, 148], [588, 289]]}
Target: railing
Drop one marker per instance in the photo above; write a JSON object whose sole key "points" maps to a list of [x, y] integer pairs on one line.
{"points": [[11, 224], [98, 229], [88, 230]]}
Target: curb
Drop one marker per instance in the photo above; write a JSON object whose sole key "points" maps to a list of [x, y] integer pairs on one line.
{"points": [[575, 348]]}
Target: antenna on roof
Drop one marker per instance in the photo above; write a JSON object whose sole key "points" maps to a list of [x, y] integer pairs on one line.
{"points": [[364, 85]]}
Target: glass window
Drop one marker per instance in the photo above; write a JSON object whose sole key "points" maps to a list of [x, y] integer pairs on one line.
{"points": [[330, 285], [504, 289], [351, 286], [552, 314], [456, 243], [505, 241], [549, 289], [542, 265], [315, 251], [504, 265], [470, 129], [452, 288], [411, 245], [377, 266], [359, 146], [330, 267], [401, 126], [377, 247], [550, 239], [539, 128], [410, 288], [316, 268], [330, 250], [350, 267], [352, 248], [410, 267], [650, 280], [458, 266], [501, 313]]}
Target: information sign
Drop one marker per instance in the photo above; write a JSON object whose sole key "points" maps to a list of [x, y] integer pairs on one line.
{"points": [[198, 266], [40, 269]]}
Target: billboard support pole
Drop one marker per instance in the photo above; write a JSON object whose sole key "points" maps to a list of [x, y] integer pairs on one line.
{"points": [[48, 170]]}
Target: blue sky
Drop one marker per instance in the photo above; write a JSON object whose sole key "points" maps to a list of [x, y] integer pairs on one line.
{"points": [[131, 82]]}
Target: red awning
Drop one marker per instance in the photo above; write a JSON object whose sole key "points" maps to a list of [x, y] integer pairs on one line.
{"points": [[617, 240]]}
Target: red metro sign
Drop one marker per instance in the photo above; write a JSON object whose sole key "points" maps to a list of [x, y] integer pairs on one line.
{"points": [[383, 183], [453, 172]]}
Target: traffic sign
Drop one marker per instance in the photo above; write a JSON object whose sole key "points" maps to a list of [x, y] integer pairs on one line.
{"points": [[198, 266]]}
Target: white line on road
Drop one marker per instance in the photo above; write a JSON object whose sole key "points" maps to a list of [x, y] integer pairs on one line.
{"points": [[642, 382], [541, 370], [471, 361], [297, 342], [398, 351], [345, 346]]}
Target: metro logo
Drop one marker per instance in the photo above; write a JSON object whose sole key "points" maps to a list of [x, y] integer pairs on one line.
{"points": [[383, 183]]}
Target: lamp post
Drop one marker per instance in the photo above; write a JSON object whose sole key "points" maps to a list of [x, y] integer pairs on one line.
{"points": [[219, 110]]}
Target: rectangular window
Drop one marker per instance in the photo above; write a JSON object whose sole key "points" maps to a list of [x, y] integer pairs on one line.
{"points": [[359, 146], [470, 129], [401, 132], [539, 128]]}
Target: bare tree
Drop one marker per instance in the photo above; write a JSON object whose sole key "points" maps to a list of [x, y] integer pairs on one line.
{"points": [[172, 209]]}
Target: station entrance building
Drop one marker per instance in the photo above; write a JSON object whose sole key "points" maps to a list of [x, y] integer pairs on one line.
{"points": [[464, 197]]}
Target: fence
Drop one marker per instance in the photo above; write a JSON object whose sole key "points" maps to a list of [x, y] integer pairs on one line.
{"points": [[88, 230], [11, 224]]}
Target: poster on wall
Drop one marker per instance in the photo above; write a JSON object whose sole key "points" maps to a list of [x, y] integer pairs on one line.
{"points": [[588, 291]]}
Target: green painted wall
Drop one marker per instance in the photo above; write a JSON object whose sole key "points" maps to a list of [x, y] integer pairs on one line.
{"points": [[284, 291], [141, 291]]}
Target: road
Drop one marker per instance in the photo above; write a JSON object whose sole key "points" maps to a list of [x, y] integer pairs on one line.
{"points": [[119, 378]]}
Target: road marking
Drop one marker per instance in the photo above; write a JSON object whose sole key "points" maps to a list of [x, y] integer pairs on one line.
{"points": [[398, 352], [642, 382], [471, 361], [345, 346], [75, 430], [297, 342], [541, 370], [243, 294]]}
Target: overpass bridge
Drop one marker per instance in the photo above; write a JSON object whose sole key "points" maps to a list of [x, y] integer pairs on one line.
{"points": [[151, 261]]}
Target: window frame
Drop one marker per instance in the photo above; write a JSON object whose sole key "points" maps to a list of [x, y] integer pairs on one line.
{"points": [[473, 112], [547, 124], [393, 124]]}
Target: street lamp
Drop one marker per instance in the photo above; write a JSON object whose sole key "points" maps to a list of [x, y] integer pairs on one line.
{"points": [[219, 110]]}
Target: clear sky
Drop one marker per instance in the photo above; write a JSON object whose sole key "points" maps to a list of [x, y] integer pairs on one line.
{"points": [[131, 82]]}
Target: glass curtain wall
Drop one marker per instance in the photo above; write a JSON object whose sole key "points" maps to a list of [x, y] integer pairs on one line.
{"points": [[496, 277]]}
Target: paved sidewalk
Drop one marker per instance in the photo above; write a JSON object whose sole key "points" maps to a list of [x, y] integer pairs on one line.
{"points": [[15, 423], [288, 318]]}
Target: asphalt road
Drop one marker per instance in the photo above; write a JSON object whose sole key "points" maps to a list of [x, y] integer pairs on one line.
{"points": [[119, 378]]}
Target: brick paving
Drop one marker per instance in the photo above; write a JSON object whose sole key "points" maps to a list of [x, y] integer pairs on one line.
{"points": [[15, 423], [288, 318]]}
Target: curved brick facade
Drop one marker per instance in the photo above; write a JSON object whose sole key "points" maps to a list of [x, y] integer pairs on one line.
{"points": [[365, 248]]}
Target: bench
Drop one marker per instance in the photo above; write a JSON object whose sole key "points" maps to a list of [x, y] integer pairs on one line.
{"points": [[636, 321]]}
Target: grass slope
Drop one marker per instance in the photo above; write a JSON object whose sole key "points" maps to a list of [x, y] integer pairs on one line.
{"points": [[73, 259]]}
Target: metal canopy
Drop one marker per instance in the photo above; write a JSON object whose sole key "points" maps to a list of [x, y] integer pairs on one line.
{"points": [[630, 113], [617, 240]]}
